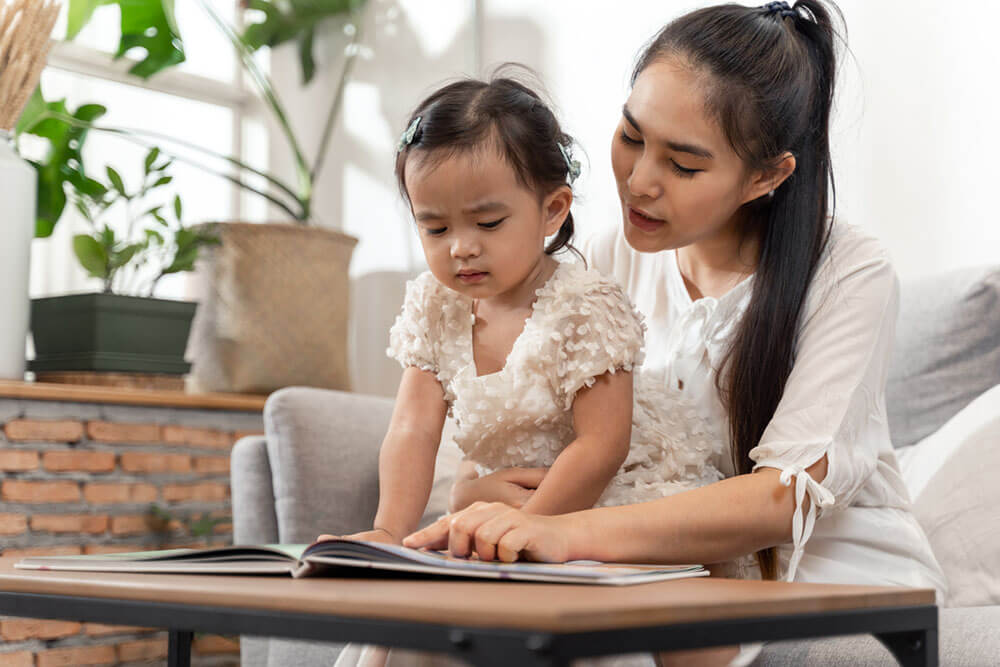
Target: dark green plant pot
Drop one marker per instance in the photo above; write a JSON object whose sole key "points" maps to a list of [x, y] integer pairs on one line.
{"points": [[110, 332]]}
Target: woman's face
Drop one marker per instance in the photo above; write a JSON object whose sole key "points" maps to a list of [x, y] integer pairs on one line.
{"points": [[679, 180]]}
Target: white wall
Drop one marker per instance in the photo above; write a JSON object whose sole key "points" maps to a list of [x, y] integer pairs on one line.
{"points": [[915, 135]]}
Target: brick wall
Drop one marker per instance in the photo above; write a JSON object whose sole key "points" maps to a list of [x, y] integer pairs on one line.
{"points": [[83, 478]]}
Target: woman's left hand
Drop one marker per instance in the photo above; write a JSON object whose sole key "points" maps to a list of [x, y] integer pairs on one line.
{"points": [[499, 532]]}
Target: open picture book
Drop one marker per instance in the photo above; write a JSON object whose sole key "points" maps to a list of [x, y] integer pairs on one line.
{"points": [[343, 557]]}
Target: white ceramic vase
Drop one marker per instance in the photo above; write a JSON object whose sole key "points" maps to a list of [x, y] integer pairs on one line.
{"points": [[17, 225]]}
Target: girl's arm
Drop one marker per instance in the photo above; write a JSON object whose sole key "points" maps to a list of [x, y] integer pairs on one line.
{"points": [[406, 460], [511, 486], [602, 421], [714, 523]]}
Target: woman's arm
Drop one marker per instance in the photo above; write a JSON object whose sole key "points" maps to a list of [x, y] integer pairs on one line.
{"points": [[406, 460], [602, 422], [710, 524]]}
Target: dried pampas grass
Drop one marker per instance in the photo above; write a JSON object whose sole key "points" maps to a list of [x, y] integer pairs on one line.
{"points": [[25, 27]]}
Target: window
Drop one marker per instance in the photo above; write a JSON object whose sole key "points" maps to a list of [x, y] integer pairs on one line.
{"points": [[202, 101]]}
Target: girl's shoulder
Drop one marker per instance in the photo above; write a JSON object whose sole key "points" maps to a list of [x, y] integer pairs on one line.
{"points": [[426, 293], [576, 282], [577, 293]]}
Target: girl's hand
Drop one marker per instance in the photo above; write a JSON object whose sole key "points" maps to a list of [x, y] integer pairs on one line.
{"points": [[374, 535], [511, 486], [499, 532]]}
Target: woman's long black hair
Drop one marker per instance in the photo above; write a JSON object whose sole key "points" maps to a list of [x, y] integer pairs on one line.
{"points": [[771, 71]]}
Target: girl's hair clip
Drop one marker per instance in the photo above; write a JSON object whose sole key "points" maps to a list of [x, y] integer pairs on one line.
{"points": [[407, 137], [572, 166]]}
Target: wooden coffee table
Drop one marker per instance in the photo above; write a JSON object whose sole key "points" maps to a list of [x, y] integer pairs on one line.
{"points": [[486, 623]]}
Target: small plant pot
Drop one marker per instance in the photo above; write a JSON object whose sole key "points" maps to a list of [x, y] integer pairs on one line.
{"points": [[110, 332]]}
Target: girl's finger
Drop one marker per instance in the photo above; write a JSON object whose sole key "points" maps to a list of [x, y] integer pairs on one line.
{"points": [[434, 536]]}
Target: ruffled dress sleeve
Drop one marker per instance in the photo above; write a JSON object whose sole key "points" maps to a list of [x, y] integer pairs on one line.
{"points": [[592, 330], [413, 335], [834, 400]]}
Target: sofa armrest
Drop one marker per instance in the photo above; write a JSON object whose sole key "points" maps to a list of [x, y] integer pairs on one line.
{"points": [[254, 521], [322, 446]]}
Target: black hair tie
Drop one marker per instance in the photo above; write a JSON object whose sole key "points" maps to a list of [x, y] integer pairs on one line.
{"points": [[780, 8]]}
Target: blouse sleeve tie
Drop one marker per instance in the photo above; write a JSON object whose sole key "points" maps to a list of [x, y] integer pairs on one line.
{"points": [[802, 527]]}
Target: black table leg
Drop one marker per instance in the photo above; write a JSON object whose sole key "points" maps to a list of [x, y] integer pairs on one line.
{"points": [[500, 650], [179, 648], [918, 648]]}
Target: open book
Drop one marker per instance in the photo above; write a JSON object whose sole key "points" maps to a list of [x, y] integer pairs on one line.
{"points": [[342, 557]]}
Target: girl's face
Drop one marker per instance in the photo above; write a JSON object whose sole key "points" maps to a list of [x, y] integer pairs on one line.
{"points": [[482, 231], [679, 180]]}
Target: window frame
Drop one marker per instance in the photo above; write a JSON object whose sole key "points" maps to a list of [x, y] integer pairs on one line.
{"points": [[234, 95]]}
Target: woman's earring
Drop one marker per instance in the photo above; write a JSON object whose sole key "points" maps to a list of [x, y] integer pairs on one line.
{"points": [[771, 193]]}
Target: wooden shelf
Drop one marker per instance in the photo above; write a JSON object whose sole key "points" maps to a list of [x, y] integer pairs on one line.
{"points": [[41, 391]]}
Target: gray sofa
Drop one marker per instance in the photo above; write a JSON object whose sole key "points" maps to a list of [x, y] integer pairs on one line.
{"points": [[316, 470]]}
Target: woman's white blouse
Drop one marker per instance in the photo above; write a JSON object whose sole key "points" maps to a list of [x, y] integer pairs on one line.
{"points": [[857, 526]]}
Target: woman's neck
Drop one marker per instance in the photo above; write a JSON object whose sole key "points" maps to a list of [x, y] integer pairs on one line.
{"points": [[715, 265]]}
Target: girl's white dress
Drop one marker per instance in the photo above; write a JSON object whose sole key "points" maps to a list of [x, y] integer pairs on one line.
{"points": [[581, 327]]}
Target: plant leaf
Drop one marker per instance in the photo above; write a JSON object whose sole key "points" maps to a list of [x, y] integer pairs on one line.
{"points": [[178, 207], [122, 257], [306, 60], [151, 156], [91, 255], [150, 25], [162, 180], [63, 162], [288, 20], [116, 181], [78, 16]]}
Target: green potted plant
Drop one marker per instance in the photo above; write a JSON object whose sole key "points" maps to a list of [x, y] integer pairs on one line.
{"points": [[272, 275], [122, 328]]}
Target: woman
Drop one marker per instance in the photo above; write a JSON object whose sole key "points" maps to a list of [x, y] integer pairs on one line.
{"points": [[775, 323]]}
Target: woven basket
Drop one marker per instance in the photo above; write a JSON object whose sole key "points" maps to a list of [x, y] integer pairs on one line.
{"points": [[274, 310]]}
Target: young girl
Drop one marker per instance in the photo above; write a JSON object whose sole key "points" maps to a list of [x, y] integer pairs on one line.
{"points": [[534, 358]]}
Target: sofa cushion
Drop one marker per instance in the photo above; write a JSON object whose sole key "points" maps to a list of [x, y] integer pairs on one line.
{"points": [[947, 350], [951, 475]]}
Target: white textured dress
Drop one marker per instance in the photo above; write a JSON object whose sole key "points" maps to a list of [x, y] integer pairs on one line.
{"points": [[858, 528], [581, 327]]}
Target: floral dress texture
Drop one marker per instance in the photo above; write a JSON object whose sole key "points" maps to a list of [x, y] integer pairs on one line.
{"points": [[581, 327]]}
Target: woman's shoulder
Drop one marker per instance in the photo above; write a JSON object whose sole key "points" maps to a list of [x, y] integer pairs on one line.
{"points": [[850, 241], [854, 263]]}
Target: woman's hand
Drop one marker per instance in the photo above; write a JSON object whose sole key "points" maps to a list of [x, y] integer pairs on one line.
{"points": [[510, 486], [499, 532], [374, 535]]}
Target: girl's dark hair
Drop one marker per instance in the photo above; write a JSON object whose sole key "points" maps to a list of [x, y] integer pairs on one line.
{"points": [[770, 86], [500, 113]]}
